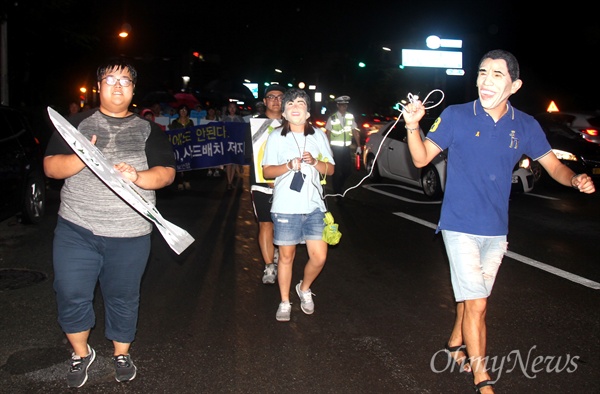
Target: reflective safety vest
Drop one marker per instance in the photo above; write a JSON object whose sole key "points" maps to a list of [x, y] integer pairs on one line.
{"points": [[341, 135]]}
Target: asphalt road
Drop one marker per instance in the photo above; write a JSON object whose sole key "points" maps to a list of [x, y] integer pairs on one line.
{"points": [[384, 304]]}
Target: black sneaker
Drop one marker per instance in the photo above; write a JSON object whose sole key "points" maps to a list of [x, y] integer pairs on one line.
{"points": [[77, 375], [125, 369]]}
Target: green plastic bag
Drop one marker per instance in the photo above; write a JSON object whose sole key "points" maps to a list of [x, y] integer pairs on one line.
{"points": [[331, 234]]}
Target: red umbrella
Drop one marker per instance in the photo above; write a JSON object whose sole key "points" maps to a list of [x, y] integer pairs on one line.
{"points": [[184, 99]]}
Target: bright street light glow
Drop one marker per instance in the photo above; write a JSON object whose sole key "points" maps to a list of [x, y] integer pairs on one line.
{"points": [[433, 42], [446, 43]]}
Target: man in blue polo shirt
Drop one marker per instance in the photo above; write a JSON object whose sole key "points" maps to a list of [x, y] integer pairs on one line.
{"points": [[493, 134]]}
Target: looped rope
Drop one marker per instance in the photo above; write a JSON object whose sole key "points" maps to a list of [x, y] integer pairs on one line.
{"points": [[412, 98]]}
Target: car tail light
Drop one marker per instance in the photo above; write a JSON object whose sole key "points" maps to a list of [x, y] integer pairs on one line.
{"points": [[590, 132], [320, 123]]}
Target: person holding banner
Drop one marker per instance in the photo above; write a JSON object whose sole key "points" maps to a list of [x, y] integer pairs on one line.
{"points": [[296, 155], [212, 116], [182, 122], [232, 169], [262, 192], [99, 237]]}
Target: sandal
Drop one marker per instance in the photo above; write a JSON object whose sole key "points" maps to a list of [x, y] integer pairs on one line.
{"points": [[464, 364], [482, 384]]}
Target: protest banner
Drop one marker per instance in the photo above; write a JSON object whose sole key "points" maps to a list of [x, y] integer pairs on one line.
{"points": [[209, 145]]}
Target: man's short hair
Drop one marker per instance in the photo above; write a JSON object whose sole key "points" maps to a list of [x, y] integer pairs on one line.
{"points": [[511, 61]]}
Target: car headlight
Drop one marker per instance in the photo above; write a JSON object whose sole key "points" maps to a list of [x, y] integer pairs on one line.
{"points": [[524, 163], [564, 155]]}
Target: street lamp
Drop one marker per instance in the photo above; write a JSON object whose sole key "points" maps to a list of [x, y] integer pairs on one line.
{"points": [[186, 80], [125, 30], [83, 96]]}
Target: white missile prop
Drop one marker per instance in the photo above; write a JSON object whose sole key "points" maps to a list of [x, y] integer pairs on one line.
{"points": [[177, 238]]}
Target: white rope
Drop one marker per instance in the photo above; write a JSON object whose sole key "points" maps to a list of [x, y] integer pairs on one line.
{"points": [[412, 98]]}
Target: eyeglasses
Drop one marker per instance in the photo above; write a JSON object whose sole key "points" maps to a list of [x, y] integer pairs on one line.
{"points": [[112, 81], [272, 97]]}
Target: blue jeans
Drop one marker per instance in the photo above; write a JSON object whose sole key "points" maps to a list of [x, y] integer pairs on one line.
{"points": [[295, 228], [81, 260], [474, 263]]}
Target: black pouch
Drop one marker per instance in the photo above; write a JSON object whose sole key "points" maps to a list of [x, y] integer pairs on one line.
{"points": [[297, 181]]}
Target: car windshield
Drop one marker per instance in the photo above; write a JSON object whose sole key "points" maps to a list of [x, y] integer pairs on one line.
{"points": [[595, 121], [561, 130]]}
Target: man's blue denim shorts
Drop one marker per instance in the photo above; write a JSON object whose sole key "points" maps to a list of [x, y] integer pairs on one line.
{"points": [[474, 263], [293, 229]]}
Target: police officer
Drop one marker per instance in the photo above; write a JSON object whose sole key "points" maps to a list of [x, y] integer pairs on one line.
{"points": [[342, 129]]}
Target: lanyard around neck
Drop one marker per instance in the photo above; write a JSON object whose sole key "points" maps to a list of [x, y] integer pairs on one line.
{"points": [[295, 140]]}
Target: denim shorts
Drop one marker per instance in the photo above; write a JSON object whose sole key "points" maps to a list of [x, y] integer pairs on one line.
{"points": [[81, 260], [296, 228], [474, 263]]}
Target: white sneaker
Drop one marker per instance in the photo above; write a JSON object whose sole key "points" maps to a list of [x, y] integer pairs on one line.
{"points": [[209, 173], [270, 274], [306, 302], [284, 311]]}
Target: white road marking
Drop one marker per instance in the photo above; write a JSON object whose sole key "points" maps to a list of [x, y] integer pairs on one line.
{"points": [[541, 196], [373, 188]]}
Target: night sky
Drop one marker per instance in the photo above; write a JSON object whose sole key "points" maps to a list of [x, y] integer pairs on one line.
{"points": [[52, 51]]}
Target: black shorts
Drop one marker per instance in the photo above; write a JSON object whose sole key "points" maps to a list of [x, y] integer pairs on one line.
{"points": [[262, 205]]}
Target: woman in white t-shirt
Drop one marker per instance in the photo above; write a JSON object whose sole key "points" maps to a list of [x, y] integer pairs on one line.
{"points": [[296, 155]]}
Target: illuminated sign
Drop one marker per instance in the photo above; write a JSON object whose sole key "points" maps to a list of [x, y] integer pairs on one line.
{"points": [[552, 107], [430, 58], [253, 87], [453, 71]]}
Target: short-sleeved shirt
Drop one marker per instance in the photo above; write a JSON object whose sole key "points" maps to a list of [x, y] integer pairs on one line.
{"points": [[281, 149], [85, 199], [482, 154]]}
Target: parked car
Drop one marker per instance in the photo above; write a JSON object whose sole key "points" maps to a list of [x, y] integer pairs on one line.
{"points": [[585, 124], [21, 169], [575, 152], [369, 124], [386, 155]]}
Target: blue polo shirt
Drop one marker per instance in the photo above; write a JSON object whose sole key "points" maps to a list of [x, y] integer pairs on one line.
{"points": [[481, 158]]}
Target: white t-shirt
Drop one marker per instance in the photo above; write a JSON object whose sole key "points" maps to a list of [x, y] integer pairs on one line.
{"points": [[280, 150]]}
